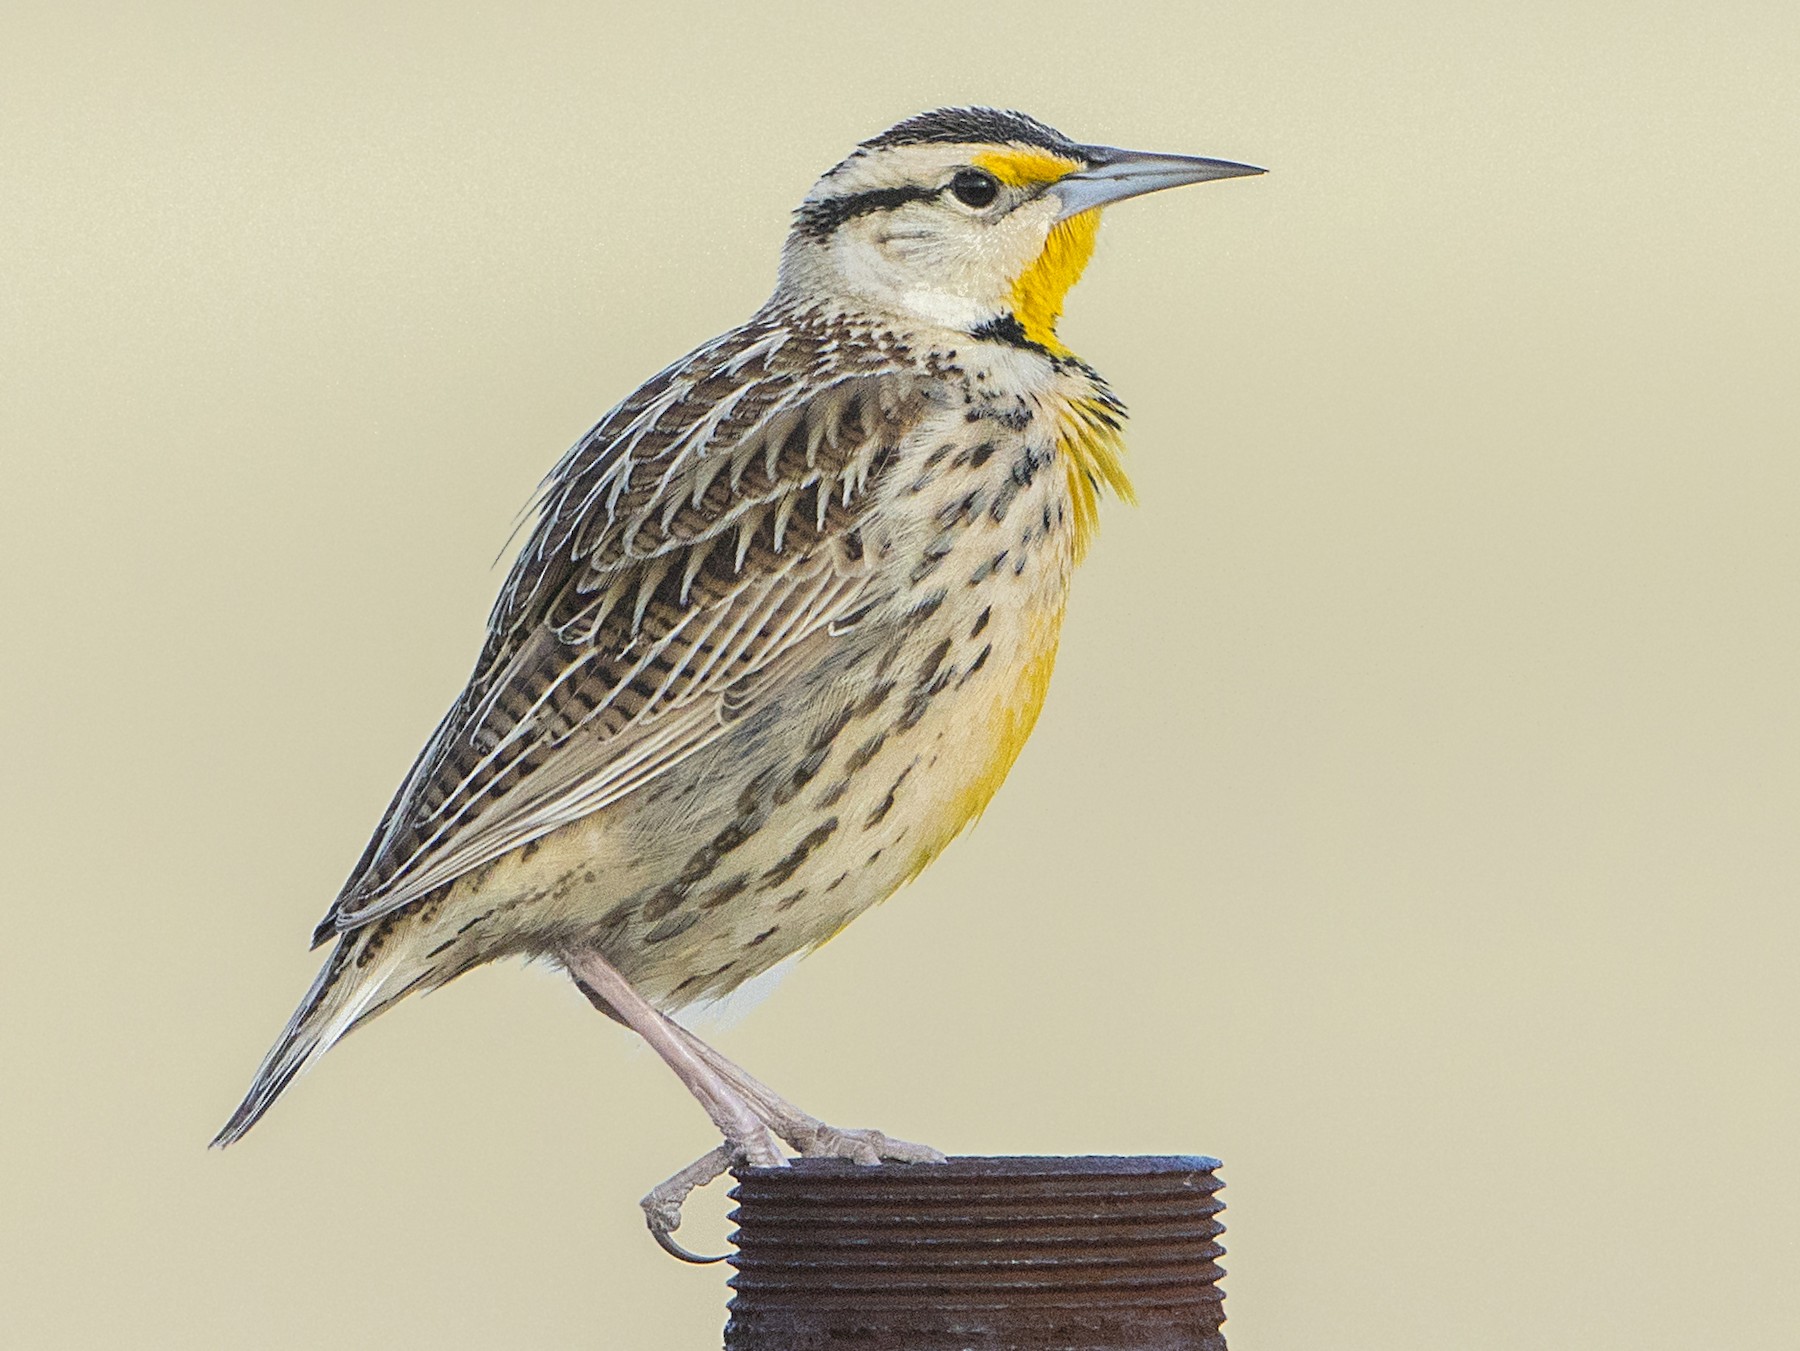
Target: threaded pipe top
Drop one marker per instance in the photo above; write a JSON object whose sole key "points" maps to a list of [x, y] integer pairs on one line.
{"points": [[1000, 1254]]}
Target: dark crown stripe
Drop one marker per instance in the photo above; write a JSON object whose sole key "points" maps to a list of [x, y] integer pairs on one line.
{"points": [[820, 218], [978, 125]]}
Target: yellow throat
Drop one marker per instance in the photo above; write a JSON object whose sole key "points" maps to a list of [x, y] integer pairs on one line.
{"points": [[1037, 294], [1087, 431]]}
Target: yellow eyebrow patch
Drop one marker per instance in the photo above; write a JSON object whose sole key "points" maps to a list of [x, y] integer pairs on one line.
{"points": [[1024, 168]]}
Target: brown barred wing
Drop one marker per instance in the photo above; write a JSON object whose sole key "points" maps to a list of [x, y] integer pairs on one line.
{"points": [[708, 527]]}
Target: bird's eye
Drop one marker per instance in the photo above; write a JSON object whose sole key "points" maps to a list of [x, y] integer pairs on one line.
{"points": [[975, 187]]}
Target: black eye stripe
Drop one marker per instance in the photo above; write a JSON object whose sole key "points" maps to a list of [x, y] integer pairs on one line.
{"points": [[822, 217], [970, 186]]}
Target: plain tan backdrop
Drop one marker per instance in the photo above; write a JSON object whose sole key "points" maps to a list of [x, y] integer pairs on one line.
{"points": [[1413, 822]]}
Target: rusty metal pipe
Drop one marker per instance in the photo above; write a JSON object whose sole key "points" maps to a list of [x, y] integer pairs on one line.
{"points": [[979, 1254]]}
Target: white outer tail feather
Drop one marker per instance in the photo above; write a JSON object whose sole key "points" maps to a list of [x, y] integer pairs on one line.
{"points": [[322, 1019]]}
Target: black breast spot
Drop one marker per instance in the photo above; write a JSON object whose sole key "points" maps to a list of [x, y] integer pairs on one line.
{"points": [[724, 891], [886, 805], [782, 871]]}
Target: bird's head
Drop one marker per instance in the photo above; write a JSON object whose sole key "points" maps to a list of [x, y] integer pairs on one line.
{"points": [[969, 218]]}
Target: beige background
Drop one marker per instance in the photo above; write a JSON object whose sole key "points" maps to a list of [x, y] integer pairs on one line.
{"points": [[1413, 820]]}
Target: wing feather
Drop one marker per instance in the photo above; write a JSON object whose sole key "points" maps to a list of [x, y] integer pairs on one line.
{"points": [[686, 552]]}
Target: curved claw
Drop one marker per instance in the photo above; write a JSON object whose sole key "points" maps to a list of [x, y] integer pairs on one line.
{"points": [[662, 1207], [667, 1243]]}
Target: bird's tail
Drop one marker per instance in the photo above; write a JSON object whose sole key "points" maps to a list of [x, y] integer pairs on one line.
{"points": [[347, 992]]}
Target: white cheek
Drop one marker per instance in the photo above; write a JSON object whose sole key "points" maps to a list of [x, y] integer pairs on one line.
{"points": [[947, 309], [949, 273], [920, 278], [915, 272], [1020, 238]]}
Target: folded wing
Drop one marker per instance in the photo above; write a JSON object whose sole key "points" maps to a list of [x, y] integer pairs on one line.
{"points": [[707, 528]]}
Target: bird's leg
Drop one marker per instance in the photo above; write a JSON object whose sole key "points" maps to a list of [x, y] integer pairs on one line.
{"points": [[747, 1137], [737, 1120], [809, 1136]]}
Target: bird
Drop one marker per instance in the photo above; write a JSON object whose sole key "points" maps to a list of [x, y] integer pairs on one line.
{"points": [[782, 622]]}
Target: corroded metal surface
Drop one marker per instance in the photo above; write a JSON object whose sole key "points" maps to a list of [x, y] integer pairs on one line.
{"points": [[980, 1254]]}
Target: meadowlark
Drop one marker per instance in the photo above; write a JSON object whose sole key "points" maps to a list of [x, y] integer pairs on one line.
{"points": [[786, 616]]}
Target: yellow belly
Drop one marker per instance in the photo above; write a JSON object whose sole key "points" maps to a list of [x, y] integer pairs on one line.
{"points": [[997, 728]]}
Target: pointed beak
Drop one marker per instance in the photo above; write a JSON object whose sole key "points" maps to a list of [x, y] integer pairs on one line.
{"points": [[1114, 175]]}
